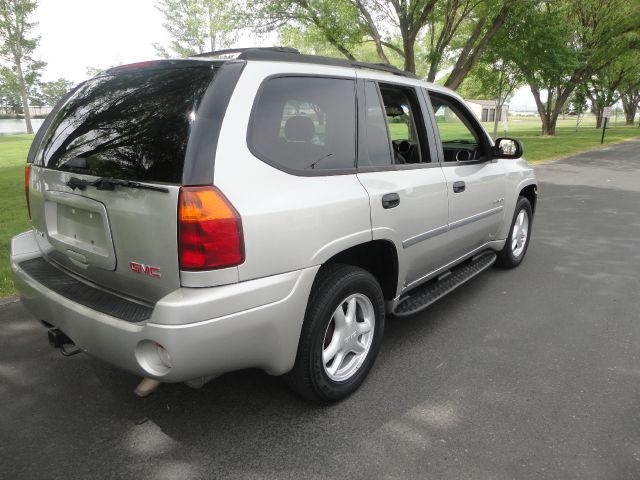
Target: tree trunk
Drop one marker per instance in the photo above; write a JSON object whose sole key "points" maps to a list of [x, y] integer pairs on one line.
{"points": [[373, 30], [212, 32], [630, 106], [472, 51], [495, 118], [409, 55], [433, 70], [548, 127], [24, 96], [597, 111]]}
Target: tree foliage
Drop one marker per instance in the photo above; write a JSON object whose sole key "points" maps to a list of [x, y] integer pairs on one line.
{"points": [[561, 44], [606, 88], [418, 35], [492, 79], [19, 70], [49, 93], [196, 26]]}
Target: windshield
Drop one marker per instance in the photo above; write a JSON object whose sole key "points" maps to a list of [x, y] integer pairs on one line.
{"points": [[131, 125]]}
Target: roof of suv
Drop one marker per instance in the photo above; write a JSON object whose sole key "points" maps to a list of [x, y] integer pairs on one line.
{"points": [[285, 54]]}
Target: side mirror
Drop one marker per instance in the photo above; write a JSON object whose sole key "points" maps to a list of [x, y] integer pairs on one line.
{"points": [[507, 148]]}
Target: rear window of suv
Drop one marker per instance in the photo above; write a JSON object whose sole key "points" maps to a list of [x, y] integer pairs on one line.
{"points": [[305, 124], [130, 124]]}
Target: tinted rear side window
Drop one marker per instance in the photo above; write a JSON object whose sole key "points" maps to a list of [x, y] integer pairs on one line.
{"points": [[129, 124], [305, 124]]}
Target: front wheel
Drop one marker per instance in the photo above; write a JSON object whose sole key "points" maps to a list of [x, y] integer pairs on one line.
{"points": [[340, 336], [518, 240]]}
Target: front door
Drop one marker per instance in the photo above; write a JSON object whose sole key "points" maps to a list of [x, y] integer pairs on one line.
{"points": [[475, 181]]}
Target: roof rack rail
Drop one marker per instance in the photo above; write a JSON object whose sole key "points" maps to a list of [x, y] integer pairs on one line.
{"points": [[240, 51], [286, 54]]}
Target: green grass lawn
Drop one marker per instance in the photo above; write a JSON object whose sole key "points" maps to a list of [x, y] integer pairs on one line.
{"points": [[567, 141], [13, 213], [13, 154]]}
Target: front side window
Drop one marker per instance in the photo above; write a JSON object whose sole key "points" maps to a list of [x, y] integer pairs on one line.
{"points": [[460, 139], [305, 124]]}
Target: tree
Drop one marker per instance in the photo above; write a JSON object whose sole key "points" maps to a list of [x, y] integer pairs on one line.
{"points": [[629, 89], [459, 30], [17, 46], [493, 79], [605, 88], [559, 45], [49, 93], [10, 101], [329, 25], [630, 100], [578, 103], [196, 26]]}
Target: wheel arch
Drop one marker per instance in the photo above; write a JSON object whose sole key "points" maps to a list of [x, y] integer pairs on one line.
{"points": [[530, 192], [378, 257]]}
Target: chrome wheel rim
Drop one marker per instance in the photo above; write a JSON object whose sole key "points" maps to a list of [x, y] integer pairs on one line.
{"points": [[348, 337], [520, 233]]}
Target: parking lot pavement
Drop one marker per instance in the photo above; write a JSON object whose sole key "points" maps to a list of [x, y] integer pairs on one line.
{"points": [[528, 373]]}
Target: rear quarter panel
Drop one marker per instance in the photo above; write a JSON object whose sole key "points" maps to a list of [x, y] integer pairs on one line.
{"points": [[289, 222]]}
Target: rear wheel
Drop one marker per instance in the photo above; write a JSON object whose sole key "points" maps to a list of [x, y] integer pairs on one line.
{"points": [[340, 336], [517, 242]]}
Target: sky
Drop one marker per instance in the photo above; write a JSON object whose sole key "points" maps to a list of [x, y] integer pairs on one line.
{"points": [[77, 34]]}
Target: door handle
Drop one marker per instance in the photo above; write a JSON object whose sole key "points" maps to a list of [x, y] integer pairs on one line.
{"points": [[458, 187], [390, 200]]}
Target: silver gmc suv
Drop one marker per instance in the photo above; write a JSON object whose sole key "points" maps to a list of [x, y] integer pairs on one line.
{"points": [[197, 216]]}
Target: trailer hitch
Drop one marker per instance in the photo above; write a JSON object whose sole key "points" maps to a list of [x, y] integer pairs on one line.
{"points": [[58, 339]]}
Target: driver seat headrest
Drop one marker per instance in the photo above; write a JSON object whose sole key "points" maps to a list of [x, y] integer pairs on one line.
{"points": [[299, 128]]}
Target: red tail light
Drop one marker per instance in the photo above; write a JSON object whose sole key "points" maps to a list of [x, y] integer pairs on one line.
{"points": [[27, 178], [209, 230]]}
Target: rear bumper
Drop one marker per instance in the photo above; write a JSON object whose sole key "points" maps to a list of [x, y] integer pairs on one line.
{"points": [[207, 331]]}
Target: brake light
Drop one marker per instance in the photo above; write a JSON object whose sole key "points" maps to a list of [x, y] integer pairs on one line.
{"points": [[209, 230], [27, 178]]}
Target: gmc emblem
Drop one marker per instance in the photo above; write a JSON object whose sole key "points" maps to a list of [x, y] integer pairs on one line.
{"points": [[146, 269]]}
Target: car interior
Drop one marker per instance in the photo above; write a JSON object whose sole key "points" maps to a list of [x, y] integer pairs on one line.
{"points": [[401, 110]]}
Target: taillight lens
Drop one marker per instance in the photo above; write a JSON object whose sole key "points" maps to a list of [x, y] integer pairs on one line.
{"points": [[209, 230], [27, 178]]}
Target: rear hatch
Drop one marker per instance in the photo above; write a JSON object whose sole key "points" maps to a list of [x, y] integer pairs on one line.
{"points": [[106, 176]]}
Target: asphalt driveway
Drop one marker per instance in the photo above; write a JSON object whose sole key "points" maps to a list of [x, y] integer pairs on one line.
{"points": [[529, 373]]}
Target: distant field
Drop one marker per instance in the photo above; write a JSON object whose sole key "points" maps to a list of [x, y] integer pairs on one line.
{"points": [[13, 154]]}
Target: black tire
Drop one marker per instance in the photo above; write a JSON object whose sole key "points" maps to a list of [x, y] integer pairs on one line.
{"points": [[506, 257], [333, 285]]}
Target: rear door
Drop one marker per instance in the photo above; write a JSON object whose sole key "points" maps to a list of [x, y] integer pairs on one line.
{"points": [[476, 182], [398, 166], [127, 125]]}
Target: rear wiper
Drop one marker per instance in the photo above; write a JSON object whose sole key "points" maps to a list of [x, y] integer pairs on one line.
{"points": [[313, 165], [109, 183]]}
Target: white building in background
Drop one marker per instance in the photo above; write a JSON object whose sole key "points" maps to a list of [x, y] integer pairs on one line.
{"points": [[485, 110]]}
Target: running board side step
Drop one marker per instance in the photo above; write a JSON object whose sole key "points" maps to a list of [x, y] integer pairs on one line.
{"points": [[424, 295]]}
